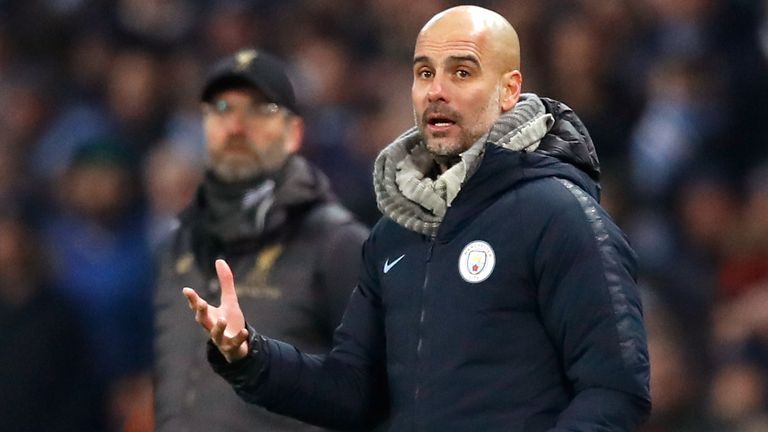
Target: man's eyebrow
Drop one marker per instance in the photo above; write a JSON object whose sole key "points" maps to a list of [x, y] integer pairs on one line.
{"points": [[452, 59], [461, 58]]}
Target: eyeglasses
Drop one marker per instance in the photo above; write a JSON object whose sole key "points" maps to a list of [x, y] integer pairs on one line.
{"points": [[252, 112]]}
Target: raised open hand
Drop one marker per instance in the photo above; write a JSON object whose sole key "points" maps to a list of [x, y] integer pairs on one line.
{"points": [[226, 323]]}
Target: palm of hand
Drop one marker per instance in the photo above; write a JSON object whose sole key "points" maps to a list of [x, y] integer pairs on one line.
{"points": [[226, 323]]}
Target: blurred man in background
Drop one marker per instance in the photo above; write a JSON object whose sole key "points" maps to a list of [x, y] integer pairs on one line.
{"points": [[272, 215]]}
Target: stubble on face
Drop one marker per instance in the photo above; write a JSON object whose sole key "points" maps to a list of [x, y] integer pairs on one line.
{"points": [[470, 130], [241, 159]]}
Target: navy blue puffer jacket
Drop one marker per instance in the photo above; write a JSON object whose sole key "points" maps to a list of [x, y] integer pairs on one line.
{"points": [[521, 314]]}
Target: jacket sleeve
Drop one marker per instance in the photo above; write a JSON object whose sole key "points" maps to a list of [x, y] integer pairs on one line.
{"points": [[345, 389], [591, 308]]}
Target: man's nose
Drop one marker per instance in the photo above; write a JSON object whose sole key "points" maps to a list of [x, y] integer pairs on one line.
{"points": [[236, 122], [436, 90]]}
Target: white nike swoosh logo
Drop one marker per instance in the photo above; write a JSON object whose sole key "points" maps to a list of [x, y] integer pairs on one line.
{"points": [[388, 265]]}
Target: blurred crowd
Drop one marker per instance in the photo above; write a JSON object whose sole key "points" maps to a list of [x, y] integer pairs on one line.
{"points": [[101, 145]]}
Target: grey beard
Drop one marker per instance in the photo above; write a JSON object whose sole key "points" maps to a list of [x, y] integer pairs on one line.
{"points": [[231, 170], [269, 160], [467, 137], [236, 172]]}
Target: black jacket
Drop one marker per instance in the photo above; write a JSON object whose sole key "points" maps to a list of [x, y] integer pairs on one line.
{"points": [[295, 257], [522, 314]]}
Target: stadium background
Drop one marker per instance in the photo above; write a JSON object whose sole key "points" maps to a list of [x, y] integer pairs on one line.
{"points": [[100, 145]]}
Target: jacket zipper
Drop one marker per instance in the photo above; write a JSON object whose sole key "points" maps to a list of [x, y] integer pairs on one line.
{"points": [[422, 316]]}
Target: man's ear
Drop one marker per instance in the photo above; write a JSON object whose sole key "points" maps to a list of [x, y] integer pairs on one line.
{"points": [[510, 93], [294, 134]]}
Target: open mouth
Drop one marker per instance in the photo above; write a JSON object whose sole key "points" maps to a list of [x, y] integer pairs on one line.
{"points": [[439, 121]]}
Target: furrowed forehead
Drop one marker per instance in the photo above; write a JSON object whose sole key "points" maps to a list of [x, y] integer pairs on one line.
{"points": [[437, 45]]}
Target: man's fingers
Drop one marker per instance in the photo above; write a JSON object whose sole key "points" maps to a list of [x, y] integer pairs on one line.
{"points": [[191, 296], [227, 281], [200, 306], [204, 316], [217, 332], [232, 347], [212, 319], [240, 337]]}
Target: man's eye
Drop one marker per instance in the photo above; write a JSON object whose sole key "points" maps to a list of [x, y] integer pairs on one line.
{"points": [[461, 73], [425, 74]]}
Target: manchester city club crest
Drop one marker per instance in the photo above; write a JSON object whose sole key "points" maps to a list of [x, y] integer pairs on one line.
{"points": [[476, 261]]}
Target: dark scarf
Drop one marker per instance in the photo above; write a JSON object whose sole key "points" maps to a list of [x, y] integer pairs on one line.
{"points": [[238, 217], [236, 209]]}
